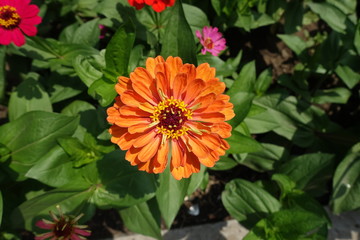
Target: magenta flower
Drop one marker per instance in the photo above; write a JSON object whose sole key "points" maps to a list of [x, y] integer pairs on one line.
{"points": [[17, 17], [212, 40], [62, 227]]}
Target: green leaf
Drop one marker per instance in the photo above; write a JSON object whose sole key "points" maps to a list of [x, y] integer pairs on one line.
{"points": [[247, 202], [222, 68], [72, 199], [266, 158], [143, 218], [294, 42], [87, 34], [263, 82], [216, 4], [330, 14], [240, 143], [196, 179], [103, 90], [80, 154], [122, 185], [225, 163], [118, 51], [332, 95], [285, 183], [357, 37], [293, 14], [28, 96], [346, 182], [89, 68], [195, 17], [309, 170], [54, 169], [289, 224], [29, 144], [178, 39], [241, 93], [349, 76], [2, 72], [1, 208], [170, 195]]}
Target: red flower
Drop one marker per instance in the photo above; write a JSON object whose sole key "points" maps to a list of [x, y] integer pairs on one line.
{"points": [[157, 5], [17, 18], [62, 227]]}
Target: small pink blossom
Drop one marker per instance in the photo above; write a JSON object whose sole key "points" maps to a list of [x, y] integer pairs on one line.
{"points": [[211, 40], [62, 227]]}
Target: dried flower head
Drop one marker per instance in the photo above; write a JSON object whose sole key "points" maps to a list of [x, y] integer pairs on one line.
{"points": [[62, 227], [211, 40], [171, 107], [17, 18]]}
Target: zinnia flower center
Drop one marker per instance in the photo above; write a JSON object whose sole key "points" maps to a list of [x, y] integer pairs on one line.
{"points": [[63, 228], [208, 43], [9, 18], [171, 114]]}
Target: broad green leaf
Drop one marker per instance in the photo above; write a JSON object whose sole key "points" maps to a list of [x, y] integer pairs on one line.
{"points": [[178, 39], [266, 158], [87, 34], [357, 37], [196, 18], [240, 143], [308, 170], [2, 71], [293, 15], [170, 195], [89, 68], [285, 183], [73, 199], [225, 163], [216, 4], [349, 76], [103, 90], [263, 82], [346, 6], [135, 57], [1, 208], [54, 169], [196, 179], [28, 96], [294, 42], [332, 95], [32, 135], [289, 224], [330, 14], [241, 93], [118, 51], [247, 202], [143, 218], [346, 182], [296, 119], [261, 122], [122, 185], [80, 154]]}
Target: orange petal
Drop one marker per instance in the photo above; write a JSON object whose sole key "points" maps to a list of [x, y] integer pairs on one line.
{"points": [[179, 85], [161, 157], [209, 160], [192, 165], [213, 117], [193, 90], [223, 129], [190, 70], [132, 154], [214, 86], [131, 98], [141, 75], [203, 101], [147, 107], [177, 159], [128, 121], [133, 111], [205, 72], [149, 150], [113, 114], [151, 64], [146, 91], [145, 138], [139, 128], [174, 64], [127, 140], [123, 84], [162, 83], [199, 149]]}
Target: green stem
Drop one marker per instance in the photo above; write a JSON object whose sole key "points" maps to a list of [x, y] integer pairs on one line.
{"points": [[2, 72]]}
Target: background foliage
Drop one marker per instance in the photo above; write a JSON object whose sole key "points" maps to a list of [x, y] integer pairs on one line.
{"points": [[292, 71]]}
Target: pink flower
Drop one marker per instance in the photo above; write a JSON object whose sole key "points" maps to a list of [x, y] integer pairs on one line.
{"points": [[103, 31], [212, 40], [62, 227], [17, 18]]}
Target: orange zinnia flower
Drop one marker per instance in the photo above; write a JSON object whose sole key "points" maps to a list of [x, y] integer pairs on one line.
{"points": [[171, 107]]}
